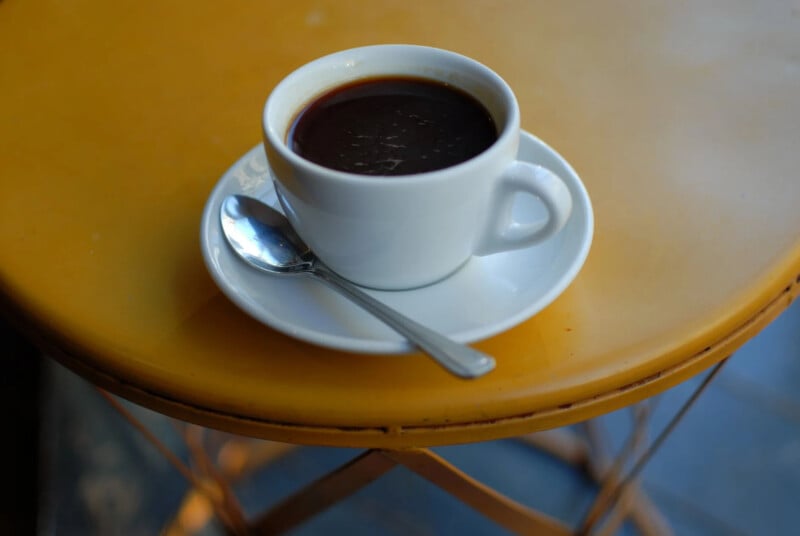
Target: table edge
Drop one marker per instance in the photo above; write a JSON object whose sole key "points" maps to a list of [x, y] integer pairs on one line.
{"points": [[414, 435]]}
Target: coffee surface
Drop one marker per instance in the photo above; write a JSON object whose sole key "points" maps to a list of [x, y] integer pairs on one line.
{"points": [[392, 126]]}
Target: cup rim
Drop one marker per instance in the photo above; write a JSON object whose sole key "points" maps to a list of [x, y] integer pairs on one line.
{"points": [[278, 139]]}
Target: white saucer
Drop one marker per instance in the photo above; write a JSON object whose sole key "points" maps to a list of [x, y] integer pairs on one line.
{"points": [[486, 296]]}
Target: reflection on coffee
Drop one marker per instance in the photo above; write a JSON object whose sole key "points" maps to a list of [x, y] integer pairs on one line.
{"points": [[392, 126]]}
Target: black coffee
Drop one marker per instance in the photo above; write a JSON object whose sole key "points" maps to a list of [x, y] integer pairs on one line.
{"points": [[392, 126]]}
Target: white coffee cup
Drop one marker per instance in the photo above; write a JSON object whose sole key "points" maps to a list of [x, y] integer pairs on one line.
{"points": [[415, 229]]}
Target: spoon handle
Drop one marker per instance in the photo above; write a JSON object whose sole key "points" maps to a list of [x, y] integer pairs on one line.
{"points": [[457, 358]]}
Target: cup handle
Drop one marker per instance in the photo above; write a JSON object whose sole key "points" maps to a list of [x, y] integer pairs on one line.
{"points": [[503, 232]]}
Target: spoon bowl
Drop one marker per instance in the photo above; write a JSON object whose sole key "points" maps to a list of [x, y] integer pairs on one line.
{"points": [[263, 237]]}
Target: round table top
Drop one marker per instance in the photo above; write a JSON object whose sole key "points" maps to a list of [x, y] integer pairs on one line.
{"points": [[118, 118]]}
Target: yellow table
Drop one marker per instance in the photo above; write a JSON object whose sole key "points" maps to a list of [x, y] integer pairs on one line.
{"points": [[118, 118]]}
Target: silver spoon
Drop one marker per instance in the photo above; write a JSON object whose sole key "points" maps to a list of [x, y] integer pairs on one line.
{"points": [[265, 239]]}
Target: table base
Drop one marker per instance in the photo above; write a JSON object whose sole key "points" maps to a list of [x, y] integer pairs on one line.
{"points": [[620, 496]]}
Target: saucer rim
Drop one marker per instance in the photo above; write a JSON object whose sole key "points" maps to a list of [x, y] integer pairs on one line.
{"points": [[352, 343]]}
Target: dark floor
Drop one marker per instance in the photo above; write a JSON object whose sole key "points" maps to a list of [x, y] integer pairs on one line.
{"points": [[20, 396], [732, 467]]}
